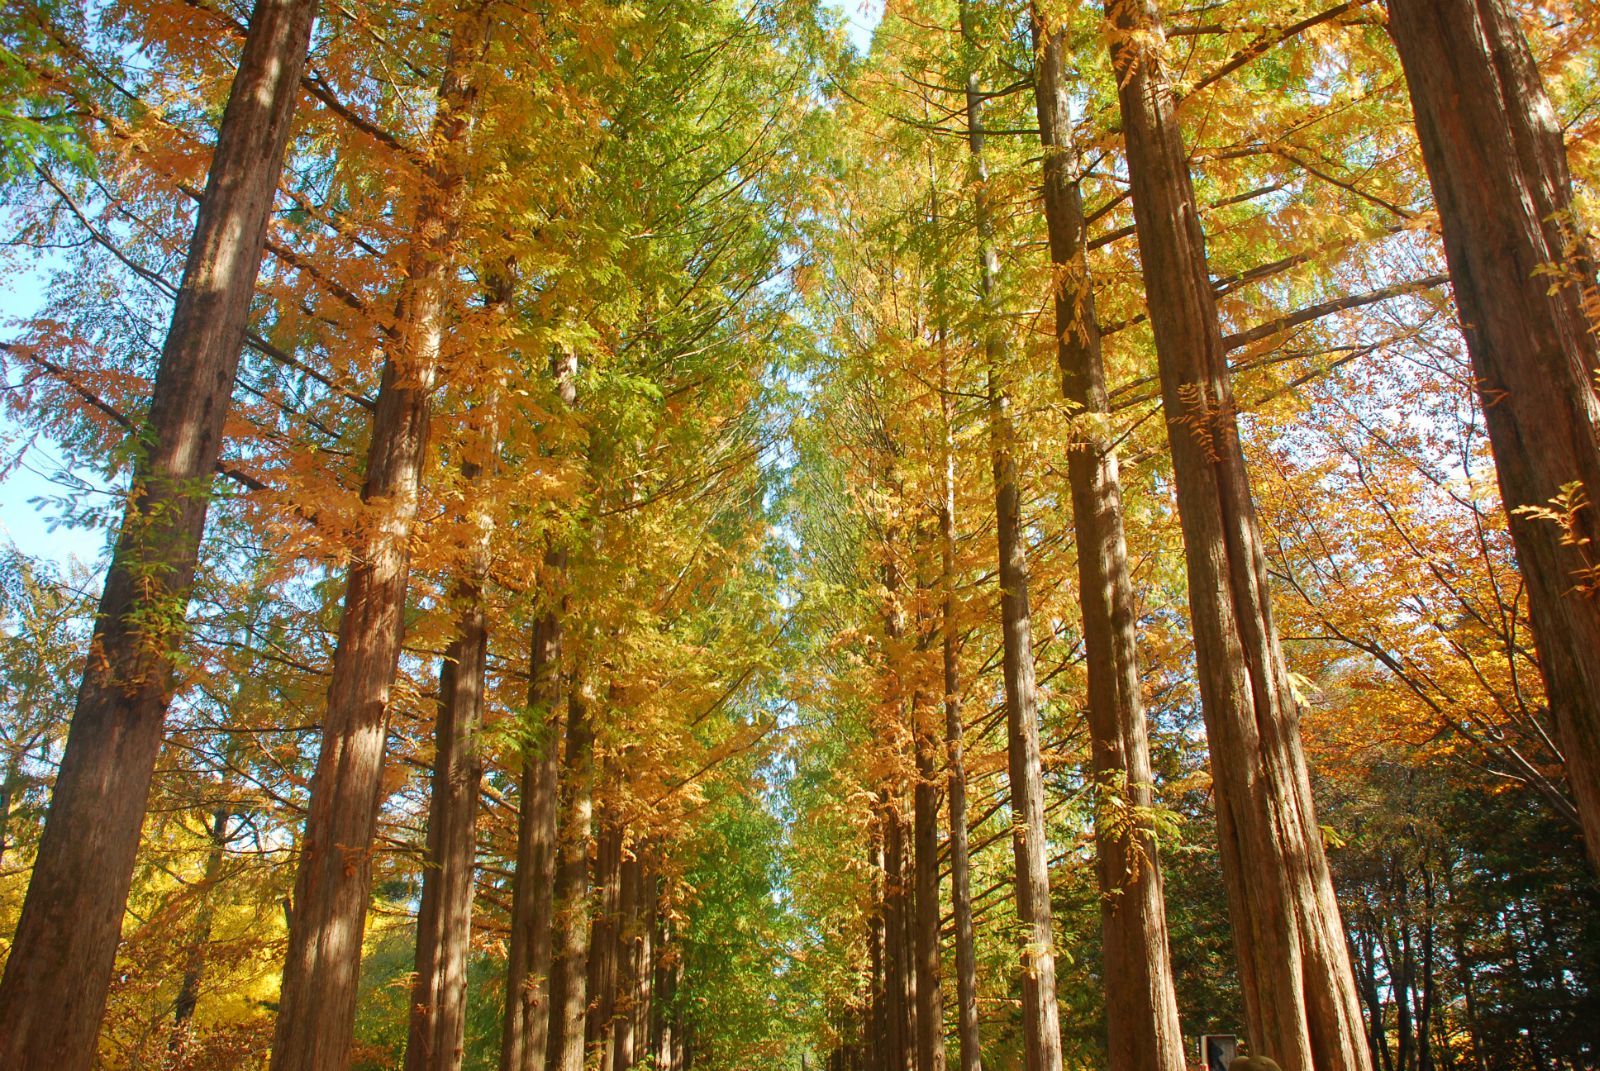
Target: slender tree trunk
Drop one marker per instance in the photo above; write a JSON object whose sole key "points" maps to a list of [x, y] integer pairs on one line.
{"points": [[1041, 1020], [955, 750], [1141, 1000], [879, 1021], [437, 1033], [525, 1033], [10, 784], [925, 837], [444, 921], [629, 942], [644, 1012], [53, 993], [569, 997], [900, 1037], [1300, 996], [1493, 149], [194, 960], [316, 1012], [604, 928]]}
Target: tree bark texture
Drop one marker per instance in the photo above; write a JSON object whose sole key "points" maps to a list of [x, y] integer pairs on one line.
{"points": [[1041, 1017], [437, 1033], [1494, 153], [955, 752], [526, 1030], [569, 971], [925, 862], [1294, 970], [53, 994], [316, 1013], [1141, 1000]]}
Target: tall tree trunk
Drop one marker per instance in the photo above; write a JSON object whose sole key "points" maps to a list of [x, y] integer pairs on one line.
{"points": [[569, 997], [925, 839], [1041, 1018], [605, 928], [955, 750], [316, 1012], [437, 1033], [53, 993], [1141, 1000], [629, 950], [194, 960], [1493, 149], [10, 785], [879, 1021], [900, 1046], [525, 1033], [1300, 997]]}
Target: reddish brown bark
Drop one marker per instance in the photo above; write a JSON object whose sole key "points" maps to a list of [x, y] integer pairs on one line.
{"points": [[316, 1012], [526, 1029], [1041, 1018], [604, 929], [444, 919], [525, 1033], [1300, 996], [955, 750], [569, 998], [925, 856], [1141, 1001], [54, 991], [1494, 152]]}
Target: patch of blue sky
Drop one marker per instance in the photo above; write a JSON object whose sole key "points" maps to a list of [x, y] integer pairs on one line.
{"points": [[861, 18]]}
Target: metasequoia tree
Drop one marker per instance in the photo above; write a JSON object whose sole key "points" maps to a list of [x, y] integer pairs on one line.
{"points": [[54, 990], [1300, 997], [332, 886], [1522, 272], [444, 915], [1141, 1003], [1040, 1015]]}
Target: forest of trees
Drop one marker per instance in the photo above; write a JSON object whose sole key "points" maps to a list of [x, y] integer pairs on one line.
{"points": [[590, 535]]}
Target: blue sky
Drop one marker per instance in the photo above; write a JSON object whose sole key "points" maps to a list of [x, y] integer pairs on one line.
{"points": [[861, 16]]}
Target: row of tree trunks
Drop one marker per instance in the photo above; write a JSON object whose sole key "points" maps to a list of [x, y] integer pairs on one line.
{"points": [[1300, 996], [1494, 152], [436, 1037], [317, 1008], [525, 1034], [955, 750], [1141, 1000], [1040, 1013], [53, 994]]}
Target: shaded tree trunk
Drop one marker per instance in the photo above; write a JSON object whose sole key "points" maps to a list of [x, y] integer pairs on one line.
{"points": [[569, 971], [955, 750], [1299, 991], [1141, 1000], [316, 1012], [925, 839], [10, 785], [1041, 1020], [879, 1021], [444, 921], [630, 942], [437, 1032], [53, 993], [1494, 153], [525, 1032], [900, 1037], [605, 926], [194, 960]]}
